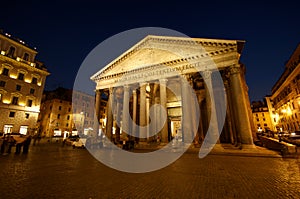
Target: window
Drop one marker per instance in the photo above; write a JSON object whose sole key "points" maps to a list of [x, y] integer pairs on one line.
{"points": [[50, 107], [69, 110], [18, 87], [8, 128], [15, 100], [67, 125], [29, 103], [58, 116], [5, 71], [26, 57], [12, 114], [59, 108], [256, 115], [34, 80], [257, 119], [11, 51], [68, 117], [31, 91], [264, 119], [26, 115], [23, 130], [21, 76], [2, 83]]}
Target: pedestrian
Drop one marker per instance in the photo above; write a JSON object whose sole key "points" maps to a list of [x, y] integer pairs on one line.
{"points": [[26, 144], [11, 142]]}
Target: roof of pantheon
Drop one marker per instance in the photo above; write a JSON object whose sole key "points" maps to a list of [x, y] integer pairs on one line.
{"points": [[155, 55]]}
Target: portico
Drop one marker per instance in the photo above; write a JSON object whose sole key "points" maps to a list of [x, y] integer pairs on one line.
{"points": [[150, 89]]}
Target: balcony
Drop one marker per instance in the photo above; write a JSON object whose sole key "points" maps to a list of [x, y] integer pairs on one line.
{"points": [[32, 64]]}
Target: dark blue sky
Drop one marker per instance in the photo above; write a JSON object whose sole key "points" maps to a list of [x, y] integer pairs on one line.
{"points": [[64, 32]]}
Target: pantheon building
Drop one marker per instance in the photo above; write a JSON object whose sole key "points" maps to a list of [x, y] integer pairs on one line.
{"points": [[165, 88]]}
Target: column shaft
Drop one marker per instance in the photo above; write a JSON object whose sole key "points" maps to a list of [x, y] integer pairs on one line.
{"points": [[163, 102], [143, 121], [109, 123], [240, 104]]}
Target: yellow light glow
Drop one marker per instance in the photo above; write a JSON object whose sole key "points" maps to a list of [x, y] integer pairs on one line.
{"points": [[27, 80], [283, 110], [289, 111], [6, 101], [21, 104], [32, 64], [13, 76], [2, 52], [18, 59], [39, 83]]}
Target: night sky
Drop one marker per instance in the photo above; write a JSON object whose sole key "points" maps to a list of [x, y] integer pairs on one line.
{"points": [[64, 32]]}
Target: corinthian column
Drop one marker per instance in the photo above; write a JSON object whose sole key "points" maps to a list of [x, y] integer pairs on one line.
{"points": [[125, 112], [97, 112], [187, 118], [240, 104], [213, 129], [143, 121], [134, 108], [109, 123], [163, 102]]}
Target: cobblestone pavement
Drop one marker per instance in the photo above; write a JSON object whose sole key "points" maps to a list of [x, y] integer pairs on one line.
{"points": [[52, 171]]}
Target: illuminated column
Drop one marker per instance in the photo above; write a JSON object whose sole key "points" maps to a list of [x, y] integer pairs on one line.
{"points": [[125, 113], [200, 134], [186, 122], [147, 118], [163, 102], [234, 137], [240, 104], [213, 129], [143, 121], [109, 123], [134, 111], [118, 120], [97, 111]]}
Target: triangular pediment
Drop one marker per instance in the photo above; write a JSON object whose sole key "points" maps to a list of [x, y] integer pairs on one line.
{"points": [[154, 50]]}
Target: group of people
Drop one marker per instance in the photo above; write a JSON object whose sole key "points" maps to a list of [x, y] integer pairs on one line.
{"points": [[8, 141]]}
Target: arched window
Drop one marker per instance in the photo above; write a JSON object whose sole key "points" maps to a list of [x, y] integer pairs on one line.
{"points": [[26, 56], [11, 51]]}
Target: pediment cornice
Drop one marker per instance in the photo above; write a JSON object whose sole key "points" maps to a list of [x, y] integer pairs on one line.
{"points": [[213, 47]]}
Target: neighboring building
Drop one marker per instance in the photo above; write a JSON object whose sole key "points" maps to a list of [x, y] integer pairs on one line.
{"points": [[262, 115], [60, 117], [286, 95], [143, 76], [22, 80]]}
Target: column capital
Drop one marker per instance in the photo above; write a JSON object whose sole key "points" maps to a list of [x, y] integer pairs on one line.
{"points": [[163, 81], [142, 84], [134, 92], [111, 90], [126, 87], [234, 70], [206, 74]]}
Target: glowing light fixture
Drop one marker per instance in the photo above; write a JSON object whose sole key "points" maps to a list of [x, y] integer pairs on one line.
{"points": [[13, 76], [6, 101], [2, 52]]}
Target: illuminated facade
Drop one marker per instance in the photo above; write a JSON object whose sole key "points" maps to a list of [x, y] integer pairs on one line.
{"points": [[286, 95], [156, 64], [60, 117], [263, 115], [22, 80]]}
